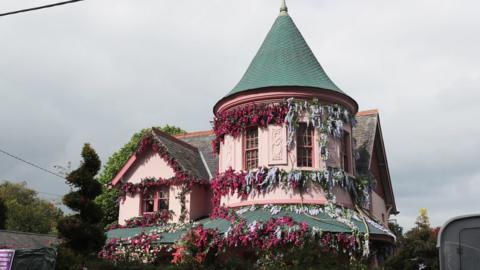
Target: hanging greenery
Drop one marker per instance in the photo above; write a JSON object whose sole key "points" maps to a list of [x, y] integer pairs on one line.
{"points": [[327, 119], [266, 179], [273, 234]]}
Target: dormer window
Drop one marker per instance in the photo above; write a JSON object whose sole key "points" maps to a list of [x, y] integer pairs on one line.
{"points": [[155, 200], [304, 146], [345, 153], [251, 149]]}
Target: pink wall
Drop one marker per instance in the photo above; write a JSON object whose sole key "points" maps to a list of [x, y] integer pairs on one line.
{"points": [[175, 205], [148, 165], [279, 195], [200, 205]]}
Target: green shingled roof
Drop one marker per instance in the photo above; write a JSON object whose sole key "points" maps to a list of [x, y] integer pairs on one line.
{"points": [[321, 221], [284, 59]]}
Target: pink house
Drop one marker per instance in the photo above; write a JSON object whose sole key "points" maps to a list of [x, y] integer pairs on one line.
{"points": [[287, 142]]}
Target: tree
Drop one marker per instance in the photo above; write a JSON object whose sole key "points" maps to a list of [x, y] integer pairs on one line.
{"points": [[82, 231], [3, 214], [108, 199], [417, 249], [24, 211], [396, 229]]}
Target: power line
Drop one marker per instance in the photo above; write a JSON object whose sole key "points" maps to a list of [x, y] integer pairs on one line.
{"points": [[31, 164], [39, 7]]}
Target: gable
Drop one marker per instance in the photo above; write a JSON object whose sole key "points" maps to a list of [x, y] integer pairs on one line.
{"points": [[371, 159], [162, 150], [375, 170], [148, 164]]}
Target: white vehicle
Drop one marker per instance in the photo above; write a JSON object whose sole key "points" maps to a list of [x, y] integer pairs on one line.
{"points": [[459, 243]]}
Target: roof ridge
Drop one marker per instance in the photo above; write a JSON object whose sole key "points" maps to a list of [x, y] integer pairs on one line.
{"points": [[194, 134], [172, 138], [368, 112]]}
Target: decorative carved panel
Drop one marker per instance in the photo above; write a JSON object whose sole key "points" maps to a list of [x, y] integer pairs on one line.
{"points": [[333, 152], [277, 145], [229, 152]]}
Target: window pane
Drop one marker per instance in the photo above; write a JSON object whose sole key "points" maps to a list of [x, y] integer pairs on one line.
{"points": [[304, 145], [345, 160], [162, 201], [251, 149], [148, 203], [162, 204]]}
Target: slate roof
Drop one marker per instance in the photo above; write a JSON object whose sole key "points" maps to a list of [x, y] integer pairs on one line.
{"points": [[22, 240], [203, 141], [284, 59], [364, 136], [187, 156]]}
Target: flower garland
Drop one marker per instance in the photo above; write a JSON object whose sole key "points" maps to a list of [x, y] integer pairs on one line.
{"points": [[149, 183], [265, 179], [262, 236], [234, 122], [343, 215], [180, 175], [146, 220], [328, 119], [144, 248], [140, 248], [183, 203], [274, 233]]}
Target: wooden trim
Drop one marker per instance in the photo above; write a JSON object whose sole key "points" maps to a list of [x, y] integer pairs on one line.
{"points": [[124, 169]]}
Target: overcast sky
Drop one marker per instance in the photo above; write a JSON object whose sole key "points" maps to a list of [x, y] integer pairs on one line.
{"points": [[100, 70]]}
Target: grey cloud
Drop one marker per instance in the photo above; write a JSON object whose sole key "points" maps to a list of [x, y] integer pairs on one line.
{"points": [[98, 71]]}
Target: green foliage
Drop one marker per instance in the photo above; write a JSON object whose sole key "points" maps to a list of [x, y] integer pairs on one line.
{"points": [[108, 199], [24, 211], [83, 232], [396, 229], [417, 247], [309, 256], [3, 214]]}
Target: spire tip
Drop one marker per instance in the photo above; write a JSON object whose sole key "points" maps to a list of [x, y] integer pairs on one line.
{"points": [[283, 8]]}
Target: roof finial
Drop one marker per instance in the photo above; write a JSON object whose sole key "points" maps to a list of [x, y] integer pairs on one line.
{"points": [[283, 9]]}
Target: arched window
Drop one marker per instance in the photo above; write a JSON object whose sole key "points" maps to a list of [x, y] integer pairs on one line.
{"points": [[304, 145]]}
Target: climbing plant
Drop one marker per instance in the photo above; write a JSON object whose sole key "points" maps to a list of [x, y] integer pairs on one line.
{"points": [[108, 199]]}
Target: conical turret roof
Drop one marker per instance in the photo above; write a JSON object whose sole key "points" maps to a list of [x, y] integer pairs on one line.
{"points": [[284, 59]]}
